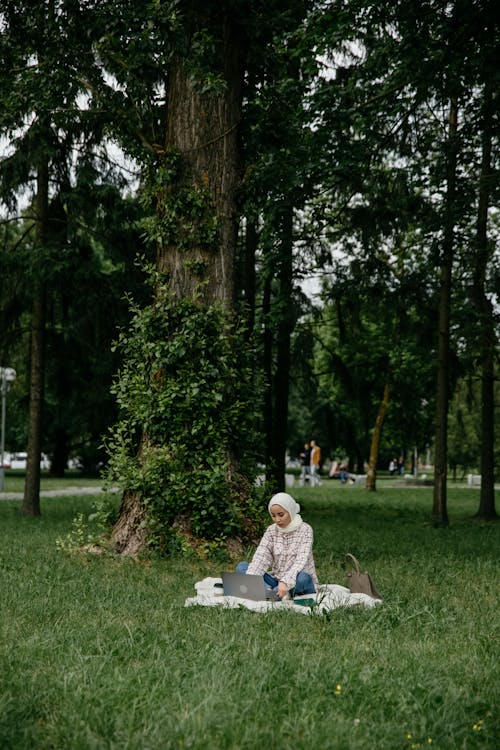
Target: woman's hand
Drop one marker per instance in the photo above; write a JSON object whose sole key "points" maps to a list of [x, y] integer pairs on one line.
{"points": [[282, 589]]}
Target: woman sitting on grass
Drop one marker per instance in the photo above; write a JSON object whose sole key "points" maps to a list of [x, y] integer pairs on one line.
{"points": [[284, 556]]}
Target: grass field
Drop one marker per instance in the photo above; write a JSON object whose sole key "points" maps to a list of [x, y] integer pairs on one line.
{"points": [[100, 652]]}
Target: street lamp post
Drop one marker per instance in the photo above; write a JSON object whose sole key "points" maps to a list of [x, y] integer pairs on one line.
{"points": [[7, 375]]}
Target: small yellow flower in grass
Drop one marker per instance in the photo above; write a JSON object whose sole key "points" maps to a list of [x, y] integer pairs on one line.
{"points": [[429, 740], [338, 690], [478, 726], [409, 735]]}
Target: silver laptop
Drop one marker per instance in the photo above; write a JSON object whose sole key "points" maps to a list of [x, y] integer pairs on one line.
{"points": [[247, 587]]}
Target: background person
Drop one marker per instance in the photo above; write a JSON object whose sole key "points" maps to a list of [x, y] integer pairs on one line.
{"points": [[284, 556], [315, 463], [341, 471], [305, 461], [344, 472]]}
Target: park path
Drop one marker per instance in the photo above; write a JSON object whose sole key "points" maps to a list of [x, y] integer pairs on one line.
{"points": [[59, 493]]}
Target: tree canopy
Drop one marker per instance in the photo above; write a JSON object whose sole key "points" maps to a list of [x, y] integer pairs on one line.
{"points": [[258, 144]]}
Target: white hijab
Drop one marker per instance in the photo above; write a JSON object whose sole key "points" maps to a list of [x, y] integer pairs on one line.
{"points": [[286, 501]]}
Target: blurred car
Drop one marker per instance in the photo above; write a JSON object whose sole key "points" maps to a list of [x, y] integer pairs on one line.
{"points": [[19, 461]]}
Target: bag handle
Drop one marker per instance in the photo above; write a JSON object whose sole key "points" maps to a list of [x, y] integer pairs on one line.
{"points": [[356, 563]]}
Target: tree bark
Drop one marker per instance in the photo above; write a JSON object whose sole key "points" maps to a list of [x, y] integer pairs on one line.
{"points": [[31, 499], [371, 477], [439, 511], [487, 337], [203, 129], [129, 535]]}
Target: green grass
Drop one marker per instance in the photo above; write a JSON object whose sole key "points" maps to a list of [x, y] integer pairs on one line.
{"points": [[100, 653]]}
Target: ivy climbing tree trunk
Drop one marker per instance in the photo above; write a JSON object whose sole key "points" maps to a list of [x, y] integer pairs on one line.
{"points": [[202, 134], [195, 194]]}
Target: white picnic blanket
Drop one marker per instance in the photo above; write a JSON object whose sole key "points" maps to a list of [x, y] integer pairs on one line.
{"points": [[329, 596]]}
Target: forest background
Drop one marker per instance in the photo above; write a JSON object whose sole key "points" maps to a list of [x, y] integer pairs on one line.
{"points": [[174, 174]]}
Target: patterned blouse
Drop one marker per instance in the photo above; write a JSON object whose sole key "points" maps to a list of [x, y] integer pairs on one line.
{"points": [[284, 555]]}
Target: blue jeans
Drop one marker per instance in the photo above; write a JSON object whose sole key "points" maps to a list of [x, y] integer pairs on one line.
{"points": [[303, 583]]}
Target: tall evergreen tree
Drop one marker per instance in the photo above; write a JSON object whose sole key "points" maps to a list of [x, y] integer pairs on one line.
{"points": [[278, 183], [401, 74], [38, 87], [54, 139], [185, 413]]}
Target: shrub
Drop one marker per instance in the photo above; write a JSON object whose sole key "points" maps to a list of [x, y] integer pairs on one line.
{"points": [[186, 441]]}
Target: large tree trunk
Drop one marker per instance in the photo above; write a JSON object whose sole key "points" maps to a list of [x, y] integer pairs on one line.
{"points": [[439, 511], [202, 128], [371, 477], [202, 152], [31, 499], [129, 534], [487, 337]]}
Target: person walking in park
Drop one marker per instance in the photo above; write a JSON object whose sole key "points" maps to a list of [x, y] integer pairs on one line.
{"points": [[305, 462], [315, 463], [284, 556]]}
